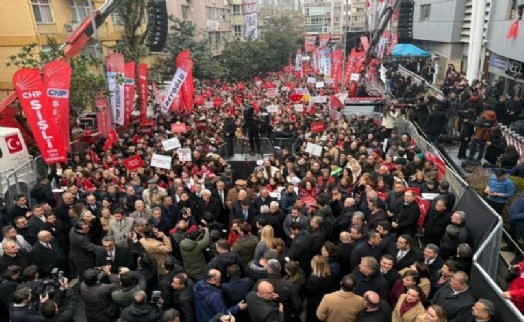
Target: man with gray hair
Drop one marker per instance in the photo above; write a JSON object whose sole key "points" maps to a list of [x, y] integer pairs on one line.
{"points": [[140, 211], [483, 310], [116, 256], [267, 217], [160, 222], [456, 298], [318, 234], [368, 278], [458, 218]]}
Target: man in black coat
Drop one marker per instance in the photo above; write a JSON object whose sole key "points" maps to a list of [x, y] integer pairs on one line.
{"points": [[376, 309], [368, 278], [237, 288], [141, 310], [46, 255], [456, 298], [62, 211], [261, 304], [116, 256], [318, 234], [42, 192], [13, 255], [263, 198], [395, 200], [371, 247], [406, 222], [63, 306], [344, 251], [82, 251], [20, 208], [208, 203], [406, 254], [183, 297], [225, 258], [267, 218], [300, 249], [432, 259], [37, 220], [435, 124], [387, 239], [170, 209], [243, 210], [220, 194], [437, 219], [388, 271], [160, 222]]}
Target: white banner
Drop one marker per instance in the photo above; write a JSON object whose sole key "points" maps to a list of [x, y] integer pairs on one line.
{"points": [[298, 107], [171, 144], [184, 155], [298, 62], [319, 84], [174, 88], [272, 109], [116, 90], [272, 92], [251, 27], [311, 80], [326, 61], [319, 99], [161, 161]]}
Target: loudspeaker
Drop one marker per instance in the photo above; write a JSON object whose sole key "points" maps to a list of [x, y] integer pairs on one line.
{"points": [[405, 21], [157, 25]]}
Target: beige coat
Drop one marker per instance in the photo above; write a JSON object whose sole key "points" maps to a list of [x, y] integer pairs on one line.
{"points": [[119, 232], [340, 306], [158, 250], [415, 314]]}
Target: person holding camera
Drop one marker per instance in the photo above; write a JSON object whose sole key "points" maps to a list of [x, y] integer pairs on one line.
{"points": [[143, 311], [62, 308], [192, 249], [97, 296], [131, 283]]}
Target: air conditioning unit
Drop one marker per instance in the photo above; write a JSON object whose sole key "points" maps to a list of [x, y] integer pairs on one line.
{"points": [[70, 27]]}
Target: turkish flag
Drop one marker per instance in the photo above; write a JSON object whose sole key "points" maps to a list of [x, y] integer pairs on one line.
{"points": [[295, 97], [513, 30], [133, 163], [317, 127], [13, 143], [112, 138]]}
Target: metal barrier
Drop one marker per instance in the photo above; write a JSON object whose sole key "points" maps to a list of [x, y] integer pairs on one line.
{"points": [[514, 139], [417, 79]]}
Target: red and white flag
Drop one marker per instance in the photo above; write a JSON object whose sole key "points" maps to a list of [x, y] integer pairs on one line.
{"points": [[143, 92], [112, 138], [37, 108], [129, 90], [133, 163], [57, 79], [115, 68]]}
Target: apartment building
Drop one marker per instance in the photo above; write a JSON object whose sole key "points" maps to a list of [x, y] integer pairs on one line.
{"points": [[334, 16]]}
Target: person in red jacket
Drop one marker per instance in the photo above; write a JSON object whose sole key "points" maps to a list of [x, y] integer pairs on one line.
{"points": [[515, 291]]}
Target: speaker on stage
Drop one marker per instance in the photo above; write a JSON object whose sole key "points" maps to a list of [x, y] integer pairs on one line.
{"points": [[405, 21], [157, 25]]}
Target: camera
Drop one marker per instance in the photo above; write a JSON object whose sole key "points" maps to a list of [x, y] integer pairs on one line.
{"points": [[49, 285], [156, 297]]}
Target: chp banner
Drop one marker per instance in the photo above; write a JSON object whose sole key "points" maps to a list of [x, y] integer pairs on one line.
{"points": [[250, 16], [309, 43], [325, 58], [129, 90], [37, 108], [143, 92], [176, 84], [115, 69], [337, 62], [298, 60], [57, 80], [103, 116], [184, 61]]}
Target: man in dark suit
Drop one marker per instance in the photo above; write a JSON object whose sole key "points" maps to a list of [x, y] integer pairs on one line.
{"points": [[266, 218], [208, 204], [246, 212], [406, 255], [20, 208], [456, 298], [220, 194], [93, 205], [37, 220], [263, 198], [183, 297], [318, 234], [113, 255], [170, 209], [46, 254], [160, 222], [408, 216], [300, 249], [388, 271], [371, 247], [62, 211], [437, 219], [432, 259]]}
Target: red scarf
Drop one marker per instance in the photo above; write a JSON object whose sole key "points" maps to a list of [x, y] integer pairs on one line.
{"points": [[406, 306]]}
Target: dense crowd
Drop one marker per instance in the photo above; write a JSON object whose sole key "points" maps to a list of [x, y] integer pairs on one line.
{"points": [[335, 237]]}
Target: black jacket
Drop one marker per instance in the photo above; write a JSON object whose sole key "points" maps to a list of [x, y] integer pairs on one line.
{"points": [[222, 261], [408, 259], [364, 249], [141, 313], [300, 251], [457, 307], [183, 301], [47, 259], [68, 302], [122, 258], [287, 294], [407, 219], [376, 282], [435, 226], [236, 290], [262, 310], [43, 194], [22, 259]]}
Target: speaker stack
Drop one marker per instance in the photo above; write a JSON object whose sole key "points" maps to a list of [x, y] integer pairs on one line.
{"points": [[405, 21], [157, 25]]}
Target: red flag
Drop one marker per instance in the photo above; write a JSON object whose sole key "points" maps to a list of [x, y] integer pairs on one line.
{"points": [[129, 90], [57, 79], [94, 157], [240, 86], [143, 92], [30, 89], [184, 61], [133, 163], [178, 128], [112, 138], [199, 100], [317, 127], [103, 117], [513, 30], [335, 102]]}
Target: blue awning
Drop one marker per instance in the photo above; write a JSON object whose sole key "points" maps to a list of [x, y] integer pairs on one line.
{"points": [[408, 50]]}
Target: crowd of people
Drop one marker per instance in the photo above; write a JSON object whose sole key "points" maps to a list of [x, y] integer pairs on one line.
{"points": [[335, 237]]}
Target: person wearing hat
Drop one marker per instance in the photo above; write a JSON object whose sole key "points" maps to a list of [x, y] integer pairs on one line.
{"points": [[232, 194], [152, 196]]}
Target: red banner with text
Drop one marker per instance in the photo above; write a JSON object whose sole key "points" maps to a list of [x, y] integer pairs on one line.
{"points": [[143, 92], [129, 90], [309, 43], [103, 116], [37, 108]]}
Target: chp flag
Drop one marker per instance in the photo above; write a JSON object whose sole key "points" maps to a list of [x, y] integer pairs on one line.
{"points": [[57, 80], [129, 90], [174, 88], [143, 92], [31, 92], [250, 16], [115, 68]]}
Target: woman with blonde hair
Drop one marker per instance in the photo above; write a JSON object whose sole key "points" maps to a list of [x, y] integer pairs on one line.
{"points": [[436, 313], [409, 308], [267, 236], [318, 284]]}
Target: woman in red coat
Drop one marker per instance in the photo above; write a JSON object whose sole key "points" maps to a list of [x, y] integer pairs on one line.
{"points": [[515, 291]]}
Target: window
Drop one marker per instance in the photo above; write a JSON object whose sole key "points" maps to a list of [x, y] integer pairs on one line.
{"points": [[237, 10], [425, 11], [238, 31], [117, 19], [185, 13], [80, 10], [42, 11]]}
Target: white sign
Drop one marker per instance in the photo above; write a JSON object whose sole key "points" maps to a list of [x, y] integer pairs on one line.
{"points": [[161, 161], [311, 80], [314, 149], [319, 84], [298, 107], [355, 77], [171, 144], [174, 88], [184, 155], [272, 109], [208, 104], [319, 99], [272, 92]]}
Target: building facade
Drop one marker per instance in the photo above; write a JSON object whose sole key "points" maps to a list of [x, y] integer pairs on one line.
{"points": [[26, 22], [334, 16]]}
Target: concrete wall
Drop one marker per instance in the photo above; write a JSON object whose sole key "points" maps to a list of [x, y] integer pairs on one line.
{"points": [[498, 28], [445, 21]]}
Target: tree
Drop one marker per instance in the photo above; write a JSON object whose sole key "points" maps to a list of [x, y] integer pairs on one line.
{"points": [[132, 45], [284, 37], [84, 83], [183, 36], [243, 60]]}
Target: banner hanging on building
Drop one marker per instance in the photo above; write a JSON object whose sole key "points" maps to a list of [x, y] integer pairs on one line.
{"points": [[309, 43], [37, 108], [250, 16], [143, 92], [176, 84], [129, 90], [57, 80], [115, 77]]}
